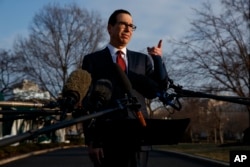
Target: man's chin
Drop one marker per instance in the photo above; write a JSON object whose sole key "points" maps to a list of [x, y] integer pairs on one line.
{"points": [[125, 41]]}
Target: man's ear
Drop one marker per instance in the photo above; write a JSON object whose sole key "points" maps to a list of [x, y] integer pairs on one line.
{"points": [[109, 28]]}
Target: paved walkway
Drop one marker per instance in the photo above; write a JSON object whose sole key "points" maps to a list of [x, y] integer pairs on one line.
{"points": [[77, 157]]}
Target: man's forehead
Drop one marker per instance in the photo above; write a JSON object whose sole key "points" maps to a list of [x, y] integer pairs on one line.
{"points": [[124, 17]]}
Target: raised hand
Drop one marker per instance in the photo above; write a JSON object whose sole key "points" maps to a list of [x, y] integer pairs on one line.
{"points": [[155, 50]]}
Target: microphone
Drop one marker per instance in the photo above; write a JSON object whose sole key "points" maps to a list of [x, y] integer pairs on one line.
{"points": [[151, 89], [76, 88], [128, 88], [50, 104], [21, 104], [144, 85], [99, 95]]}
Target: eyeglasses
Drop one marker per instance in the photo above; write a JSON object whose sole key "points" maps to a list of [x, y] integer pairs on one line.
{"points": [[126, 25]]}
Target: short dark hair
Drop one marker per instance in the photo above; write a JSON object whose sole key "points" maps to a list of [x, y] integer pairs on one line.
{"points": [[112, 19]]}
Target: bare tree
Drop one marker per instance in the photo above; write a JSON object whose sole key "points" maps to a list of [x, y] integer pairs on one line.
{"points": [[215, 54], [9, 72], [58, 40]]}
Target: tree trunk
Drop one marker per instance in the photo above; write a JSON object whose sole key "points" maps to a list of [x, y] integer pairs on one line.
{"points": [[221, 134], [215, 136]]}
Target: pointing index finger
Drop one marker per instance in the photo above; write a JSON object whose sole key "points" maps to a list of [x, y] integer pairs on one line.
{"points": [[159, 44]]}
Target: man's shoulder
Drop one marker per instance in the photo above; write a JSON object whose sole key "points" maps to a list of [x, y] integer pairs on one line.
{"points": [[98, 52], [136, 53]]}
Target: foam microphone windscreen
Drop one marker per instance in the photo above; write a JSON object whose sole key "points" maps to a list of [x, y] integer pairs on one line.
{"points": [[77, 84]]}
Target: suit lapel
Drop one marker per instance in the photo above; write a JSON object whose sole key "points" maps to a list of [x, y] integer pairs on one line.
{"points": [[106, 54], [130, 60]]}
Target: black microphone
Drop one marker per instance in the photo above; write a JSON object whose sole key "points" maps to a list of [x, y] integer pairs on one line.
{"points": [[76, 88], [99, 96], [144, 85], [151, 89], [128, 88]]}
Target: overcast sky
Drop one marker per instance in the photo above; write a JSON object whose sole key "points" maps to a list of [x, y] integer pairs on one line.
{"points": [[155, 19]]}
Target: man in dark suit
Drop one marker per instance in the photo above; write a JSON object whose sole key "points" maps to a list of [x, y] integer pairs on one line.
{"points": [[101, 66]]}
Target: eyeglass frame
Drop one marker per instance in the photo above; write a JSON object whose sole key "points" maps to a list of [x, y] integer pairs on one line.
{"points": [[126, 25]]}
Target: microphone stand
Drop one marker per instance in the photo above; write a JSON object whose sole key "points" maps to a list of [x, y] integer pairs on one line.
{"points": [[232, 99], [26, 114], [179, 92], [30, 112], [62, 124], [140, 134]]}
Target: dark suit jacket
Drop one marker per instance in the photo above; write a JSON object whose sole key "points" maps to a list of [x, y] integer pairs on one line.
{"points": [[100, 65]]}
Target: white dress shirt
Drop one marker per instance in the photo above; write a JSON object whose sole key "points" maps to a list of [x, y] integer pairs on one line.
{"points": [[113, 51]]}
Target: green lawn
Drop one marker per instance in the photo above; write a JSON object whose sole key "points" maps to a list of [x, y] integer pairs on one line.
{"points": [[211, 151]]}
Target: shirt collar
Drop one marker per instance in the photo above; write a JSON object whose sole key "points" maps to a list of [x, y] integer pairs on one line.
{"points": [[113, 51]]}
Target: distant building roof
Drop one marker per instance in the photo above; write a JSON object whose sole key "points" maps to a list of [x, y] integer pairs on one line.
{"points": [[27, 90]]}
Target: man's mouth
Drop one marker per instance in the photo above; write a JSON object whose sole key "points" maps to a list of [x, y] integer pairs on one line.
{"points": [[125, 36]]}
